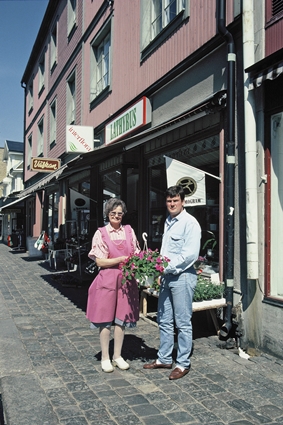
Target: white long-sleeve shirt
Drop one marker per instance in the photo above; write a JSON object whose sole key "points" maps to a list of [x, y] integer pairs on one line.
{"points": [[181, 242]]}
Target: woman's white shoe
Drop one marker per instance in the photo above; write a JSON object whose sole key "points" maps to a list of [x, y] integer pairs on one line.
{"points": [[106, 366], [120, 362]]}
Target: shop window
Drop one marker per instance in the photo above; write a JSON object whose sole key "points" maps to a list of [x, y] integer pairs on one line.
{"points": [[276, 205], [79, 225], [52, 224], [204, 155], [111, 184]]}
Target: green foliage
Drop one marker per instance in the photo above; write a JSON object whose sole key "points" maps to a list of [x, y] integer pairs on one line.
{"points": [[205, 290]]}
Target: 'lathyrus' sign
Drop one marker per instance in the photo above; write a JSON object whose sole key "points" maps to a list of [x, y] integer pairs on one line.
{"points": [[133, 118]]}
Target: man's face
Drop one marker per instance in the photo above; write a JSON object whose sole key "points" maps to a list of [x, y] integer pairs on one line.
{"points": [[175, 205]]}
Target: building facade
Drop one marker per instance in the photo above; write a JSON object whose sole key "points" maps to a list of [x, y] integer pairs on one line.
{"points": [[13, 216], [265, 87], [113, 89]]}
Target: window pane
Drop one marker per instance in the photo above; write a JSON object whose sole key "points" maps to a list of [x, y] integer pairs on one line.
{"points": [[276, 217]]}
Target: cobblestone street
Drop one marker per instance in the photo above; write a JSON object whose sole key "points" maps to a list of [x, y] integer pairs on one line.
{"points": [[50, 369]]}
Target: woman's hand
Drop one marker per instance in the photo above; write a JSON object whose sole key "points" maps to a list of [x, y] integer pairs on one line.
{"points": [[110, 262]]}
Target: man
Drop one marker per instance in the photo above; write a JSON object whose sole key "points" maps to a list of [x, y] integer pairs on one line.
{"points": [[181, 244]]}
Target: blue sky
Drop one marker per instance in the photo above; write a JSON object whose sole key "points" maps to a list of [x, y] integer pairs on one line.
{"points": [[20, 22]]}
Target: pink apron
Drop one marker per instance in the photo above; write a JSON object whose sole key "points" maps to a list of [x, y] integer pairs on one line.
{"points": [[108, 300]]}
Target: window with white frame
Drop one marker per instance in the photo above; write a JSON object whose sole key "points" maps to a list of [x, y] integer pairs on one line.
{"points": [[53, 114], [30, 97], [72, 14], [71, 99], [53, 47], [29, 152], [40, 134], [276, 208], [100, 63], [157, 15], [41, 72]]}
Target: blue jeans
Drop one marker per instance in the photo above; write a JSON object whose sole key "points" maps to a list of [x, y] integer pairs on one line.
{"points": [[175, 306]]}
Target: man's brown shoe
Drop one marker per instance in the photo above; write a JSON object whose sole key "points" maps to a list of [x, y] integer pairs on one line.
{"points": [[177, 373], [155, 365]]}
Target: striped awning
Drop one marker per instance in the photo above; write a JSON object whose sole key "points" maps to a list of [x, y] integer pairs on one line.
{"points": [[268, 68], [269, 73]]}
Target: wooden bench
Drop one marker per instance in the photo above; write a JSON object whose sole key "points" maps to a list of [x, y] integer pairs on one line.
{"points": [[208, 305]]}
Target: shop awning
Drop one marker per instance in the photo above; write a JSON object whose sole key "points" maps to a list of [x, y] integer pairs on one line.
{"points": [[17, 203], [268, 68]]}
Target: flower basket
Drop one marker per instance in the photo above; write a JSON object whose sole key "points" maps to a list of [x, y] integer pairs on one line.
{"points": [[145, 267]]}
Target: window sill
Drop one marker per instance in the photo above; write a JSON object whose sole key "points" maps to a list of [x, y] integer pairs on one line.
{"points": [[41, 91], [276, 302], [162, 36], [99, 98]]}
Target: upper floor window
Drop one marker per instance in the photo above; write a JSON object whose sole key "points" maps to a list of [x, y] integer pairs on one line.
{"points": [[72, 14], [29, 152], [277, 7], [157, 15], [30, 97], [40, 138], [274, 11], [100, 63], [53, 48], [41, 72], [71, 99], [53, 113]]}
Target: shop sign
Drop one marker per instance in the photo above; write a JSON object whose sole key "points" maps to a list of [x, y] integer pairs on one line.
{"points": [[45, 165], [133, 118], [79, 139]]}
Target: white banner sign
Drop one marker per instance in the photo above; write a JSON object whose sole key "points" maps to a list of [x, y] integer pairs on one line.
{"points": [[79, 139], [190, 178]]}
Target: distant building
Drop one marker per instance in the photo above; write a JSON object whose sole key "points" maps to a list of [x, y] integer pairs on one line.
{"points": [[3, 169], [13, 217]]}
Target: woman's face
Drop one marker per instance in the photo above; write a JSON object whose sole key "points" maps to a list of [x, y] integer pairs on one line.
{"points": [[115, 217]]}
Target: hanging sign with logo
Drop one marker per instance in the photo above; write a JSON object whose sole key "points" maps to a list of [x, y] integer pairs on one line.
{"points": [[190, 178], [45, 165], [79, 139], [133, 118]]}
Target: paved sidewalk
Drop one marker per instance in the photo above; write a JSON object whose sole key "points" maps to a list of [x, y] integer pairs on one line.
{"points": [[50, 367]]}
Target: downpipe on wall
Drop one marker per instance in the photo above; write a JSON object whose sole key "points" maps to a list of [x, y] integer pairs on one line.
{"points": [[230, 166]]}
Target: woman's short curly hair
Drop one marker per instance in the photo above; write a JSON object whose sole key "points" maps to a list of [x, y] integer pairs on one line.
{"points": [[113, 203]]}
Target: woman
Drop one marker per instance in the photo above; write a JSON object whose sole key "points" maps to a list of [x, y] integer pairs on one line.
{"points": [[110, 302]]}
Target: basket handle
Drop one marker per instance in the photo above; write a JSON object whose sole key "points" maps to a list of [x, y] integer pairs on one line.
{"points": [[144, 236]]}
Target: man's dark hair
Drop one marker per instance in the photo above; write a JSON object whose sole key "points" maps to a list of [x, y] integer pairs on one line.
{"points": [[173, 191]]}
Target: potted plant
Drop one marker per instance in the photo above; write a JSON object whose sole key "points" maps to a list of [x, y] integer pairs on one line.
{"points": [[206, 290], [210, 244]]}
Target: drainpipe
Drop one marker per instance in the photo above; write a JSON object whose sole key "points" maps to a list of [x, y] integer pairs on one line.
{"points": [[230, 167], [250, 144]]}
